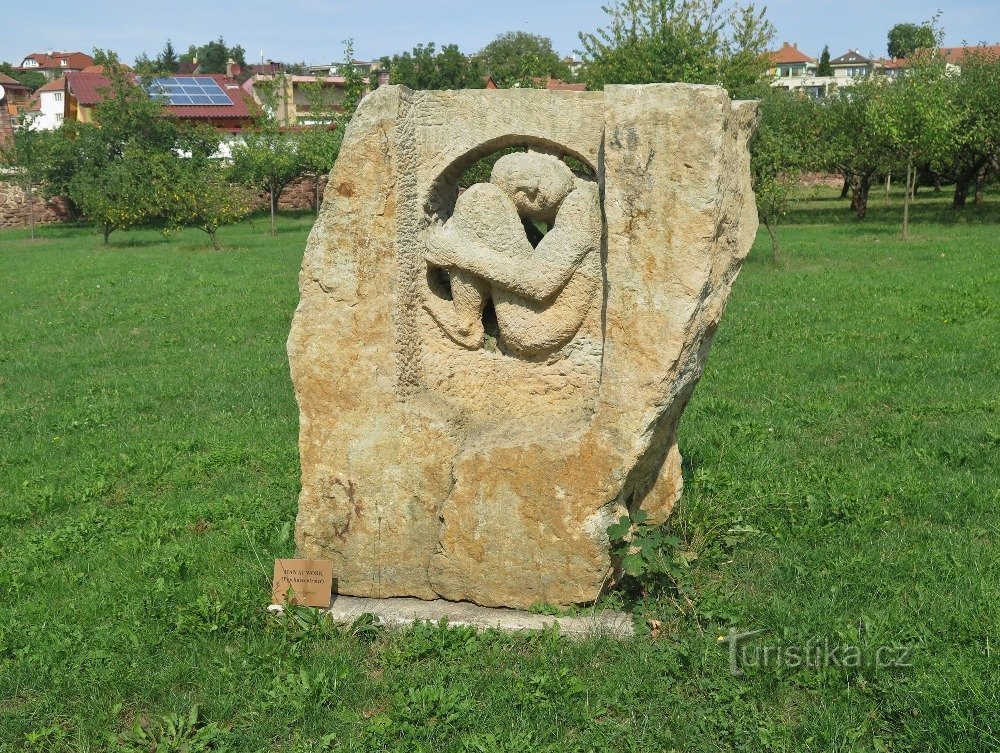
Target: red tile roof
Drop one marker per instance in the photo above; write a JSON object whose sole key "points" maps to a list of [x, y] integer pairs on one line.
{"points": [[55, 85], [89, 89], [955, 55], [555, 84], [74, 61], [789, 53]]}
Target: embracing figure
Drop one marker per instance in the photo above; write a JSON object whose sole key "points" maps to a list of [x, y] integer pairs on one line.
{"points": [[541, 291]]}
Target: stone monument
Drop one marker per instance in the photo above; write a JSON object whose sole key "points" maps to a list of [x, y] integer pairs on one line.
{"points": [[487, 379]]}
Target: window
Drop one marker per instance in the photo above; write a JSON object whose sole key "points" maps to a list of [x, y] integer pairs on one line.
{"points": [[59, 117], [57, 97], [63, 62]]}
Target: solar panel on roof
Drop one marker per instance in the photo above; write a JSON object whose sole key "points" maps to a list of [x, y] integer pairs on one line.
{"points": [[188, 90]]}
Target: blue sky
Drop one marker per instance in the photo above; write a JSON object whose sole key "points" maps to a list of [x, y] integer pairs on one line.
{"points": [[312, 30]]}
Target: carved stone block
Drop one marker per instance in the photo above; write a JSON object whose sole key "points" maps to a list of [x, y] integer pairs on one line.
{"points": [[487, 379]]}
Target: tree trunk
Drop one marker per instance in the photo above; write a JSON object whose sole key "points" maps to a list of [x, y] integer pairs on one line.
{"points": [[961, 192], [107, 233], [273, 202], [29, 196], [981, 185], [888, 187], [772, 230], [846, 189], [911, 178], [860, 186], [212, 234]]}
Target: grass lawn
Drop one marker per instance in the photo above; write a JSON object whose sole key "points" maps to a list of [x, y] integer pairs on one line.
{"points": [[842, 461]]}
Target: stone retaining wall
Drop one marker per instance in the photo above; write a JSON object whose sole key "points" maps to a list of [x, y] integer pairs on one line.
{"points": [[14, 209]]}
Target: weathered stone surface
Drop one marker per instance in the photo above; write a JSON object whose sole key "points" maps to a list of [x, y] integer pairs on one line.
{"points": [[451, 452]]}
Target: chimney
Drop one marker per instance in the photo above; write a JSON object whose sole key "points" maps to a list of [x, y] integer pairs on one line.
{"points": [[231, 68]]}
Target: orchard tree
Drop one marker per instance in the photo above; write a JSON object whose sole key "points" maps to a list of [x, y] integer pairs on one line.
{"points": [[198, 195], [850, 143], [515, 57], [977, 133], [117, 195], [905, 39], [694, 41], [781, 149], [427, 68], [917, 117], [267, 159]]}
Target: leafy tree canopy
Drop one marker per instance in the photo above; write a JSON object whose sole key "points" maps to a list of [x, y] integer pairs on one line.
{"points": [[905, 39], [824, 68], [517, 56], [426, 67], [695, 41], [104, 57], [213, 56], [31, 79]]}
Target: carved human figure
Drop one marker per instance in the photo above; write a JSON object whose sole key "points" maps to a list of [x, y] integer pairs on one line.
{"points": [[541, 294]]}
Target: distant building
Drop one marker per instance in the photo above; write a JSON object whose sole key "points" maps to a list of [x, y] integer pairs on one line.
{"points": [[212, 99], [55, 64], [288, 99], [48, 106], [852, 64], [955, 56], [16, 94], [575, 65], [790, 62]]}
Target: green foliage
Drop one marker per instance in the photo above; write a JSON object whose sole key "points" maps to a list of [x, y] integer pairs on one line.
{"points": [[694, 41], [917, 118], [213, 56], [975, 96], [27, 155], [354, 83], [173, 733], [824, 68], [167, 61], [850, 141], [515, 57], [906, 38], [117, 195], [427, 68], [105, 57], [32, 79], [267, 159], [197, 194], [783, 146]]}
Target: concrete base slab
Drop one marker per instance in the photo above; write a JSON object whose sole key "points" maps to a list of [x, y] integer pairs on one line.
{"points": [[405, 611]]}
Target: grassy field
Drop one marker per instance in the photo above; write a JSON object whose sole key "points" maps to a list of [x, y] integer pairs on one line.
{"points": [[842, 461]]}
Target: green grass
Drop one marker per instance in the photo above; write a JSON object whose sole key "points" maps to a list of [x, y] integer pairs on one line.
{"points": [[841, 463]]}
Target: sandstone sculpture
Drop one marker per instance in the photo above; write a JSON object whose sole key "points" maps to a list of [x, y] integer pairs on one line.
{"points": [[487, 380]]}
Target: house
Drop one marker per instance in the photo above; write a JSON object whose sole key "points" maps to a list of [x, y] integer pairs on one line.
{"points": [[793, 70], [55, 64], [288, 98], [790, 61], [48, 106], [212, 99], [575, 65], [16, 94], [852, 64], [954, 57]]}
